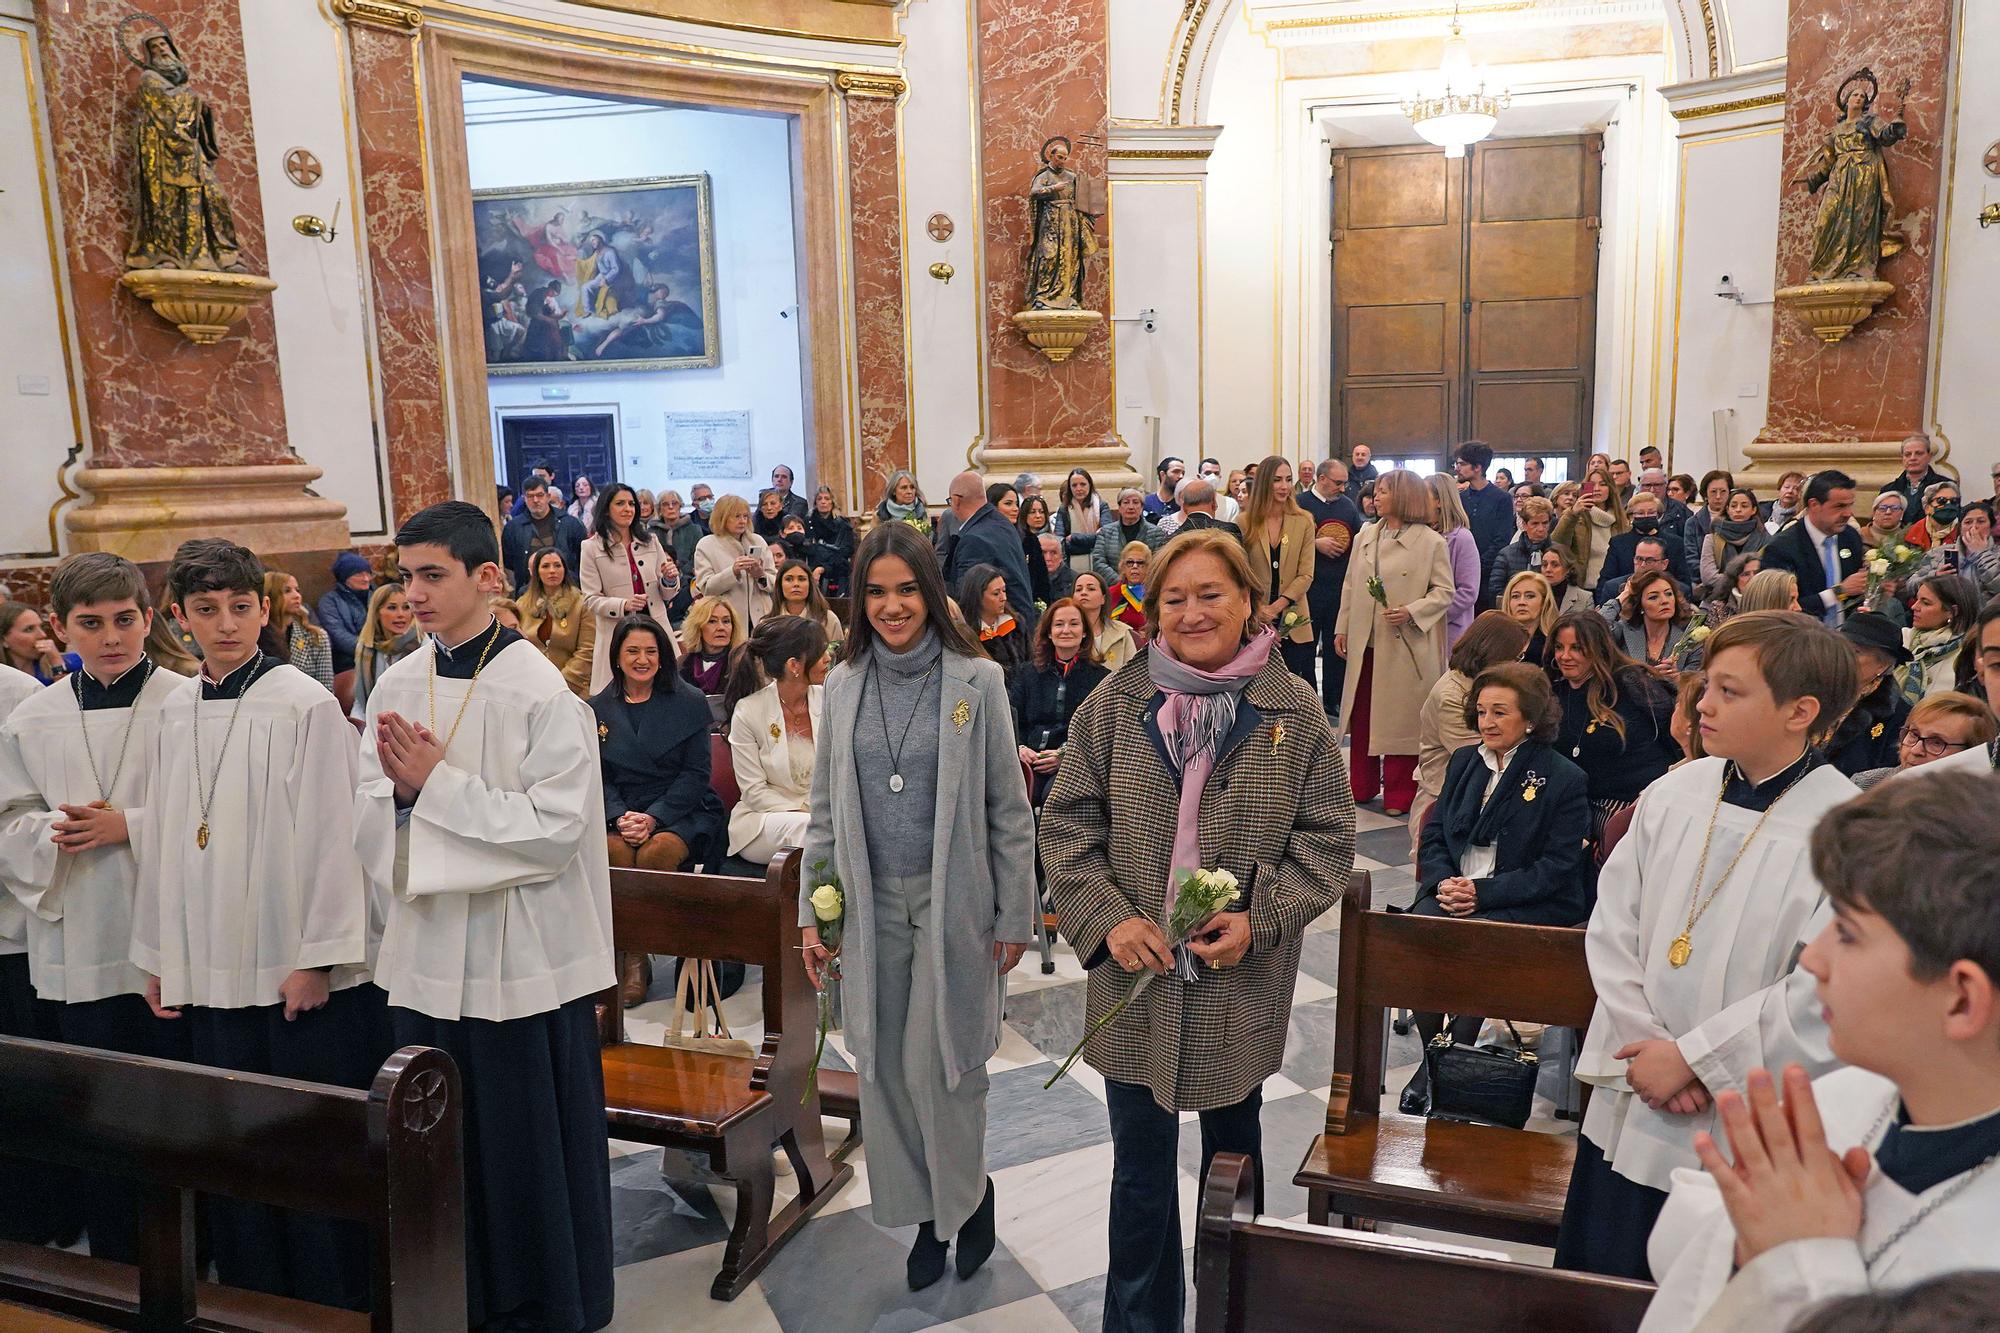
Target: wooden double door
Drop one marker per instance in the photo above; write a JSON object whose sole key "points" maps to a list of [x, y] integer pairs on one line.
{"points": [[1465, 296]]}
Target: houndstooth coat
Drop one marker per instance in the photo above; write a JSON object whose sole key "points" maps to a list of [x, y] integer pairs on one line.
{"points": [[1278, 814]]}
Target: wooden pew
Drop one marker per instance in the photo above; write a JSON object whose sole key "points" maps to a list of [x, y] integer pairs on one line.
{"points": [[733, 1109], [388, 1157], [1277, 1277], [1508, 1184]]}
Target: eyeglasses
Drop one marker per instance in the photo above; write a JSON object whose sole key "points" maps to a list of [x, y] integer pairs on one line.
{"points": [[1934, 746]]}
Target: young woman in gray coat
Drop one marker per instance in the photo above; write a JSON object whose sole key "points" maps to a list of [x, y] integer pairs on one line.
{"points": [[919, 806]]}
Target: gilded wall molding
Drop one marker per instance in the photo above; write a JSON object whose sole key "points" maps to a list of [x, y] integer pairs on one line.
{"points": [[1157, 154], [1192, 15], [857, 83], [1708, 30], [391, 14], [1724, 108], [1393, 16]]}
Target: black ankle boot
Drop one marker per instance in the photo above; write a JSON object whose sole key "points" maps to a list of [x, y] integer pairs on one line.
{"points": [[975, 1238], [926, 1262]]}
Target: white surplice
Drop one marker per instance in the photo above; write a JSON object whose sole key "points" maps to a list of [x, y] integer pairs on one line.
{"points": [[497, 885], [1738, 1004], [278, 887], [15, 686], [79, 904], [1693, 1247]]}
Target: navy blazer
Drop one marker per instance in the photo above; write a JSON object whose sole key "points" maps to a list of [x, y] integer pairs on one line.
{"points": [[987, 538], [655, 759], [1541, 874], [1792, 549]]}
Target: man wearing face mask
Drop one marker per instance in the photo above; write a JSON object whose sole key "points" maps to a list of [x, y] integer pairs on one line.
{"points": [[702, 497], [1648, 524]]}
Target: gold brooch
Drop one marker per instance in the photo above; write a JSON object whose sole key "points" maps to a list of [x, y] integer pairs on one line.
{"points": [[777, 733], [1875, 733], [603, 732], [1277, 734], [961, 715]]}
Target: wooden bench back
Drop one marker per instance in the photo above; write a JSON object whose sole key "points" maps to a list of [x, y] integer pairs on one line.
{"points": [[1278, 1277], [1537, 974], [389, 1157], [725, 919]]}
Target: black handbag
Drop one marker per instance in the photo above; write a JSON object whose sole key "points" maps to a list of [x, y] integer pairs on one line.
{"points": [[1480, 1085]]}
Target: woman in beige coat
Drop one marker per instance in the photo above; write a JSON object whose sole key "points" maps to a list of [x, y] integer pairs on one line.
{"points": [[555, 619], [1278, 537], [620, 572], [1397, 643], [734, 564]]}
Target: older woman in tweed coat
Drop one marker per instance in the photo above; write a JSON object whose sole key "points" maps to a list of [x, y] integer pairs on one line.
{"points": [[1271, 804]]}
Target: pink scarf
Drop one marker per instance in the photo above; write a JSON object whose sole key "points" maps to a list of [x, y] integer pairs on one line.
{"points": [[1199, 710]]}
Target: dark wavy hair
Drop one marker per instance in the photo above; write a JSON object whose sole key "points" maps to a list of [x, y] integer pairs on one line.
{"points": [[775, 641], [905, 543], [601, 515], [1610, 669], [669, 678]]}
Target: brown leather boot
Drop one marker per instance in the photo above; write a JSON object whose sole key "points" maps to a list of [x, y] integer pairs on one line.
{"points": [[635, 978]]}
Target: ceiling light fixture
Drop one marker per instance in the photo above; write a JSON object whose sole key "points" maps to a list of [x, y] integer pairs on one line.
{"points": [[1459, 111]]}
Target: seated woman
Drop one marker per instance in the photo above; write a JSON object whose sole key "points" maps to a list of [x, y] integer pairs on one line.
{"points": [[388, 635], [982, 598], [1508, 842], [1045, 692], [1770, 590], [1617, 717], [1943, 724], [1653, 622], [660, 813], [505, 611], [829, 544], [1530, 602], [708, 635], [289, 635], [1442, 731], [1941, 612], [1111, 638], [1722, 596], [774, 716], [554, 618], [1867, 737], [798, 595], [1127, 597], [1559, 568]]}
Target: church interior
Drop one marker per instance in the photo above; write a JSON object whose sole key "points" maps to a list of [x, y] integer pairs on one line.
{"points": [[291, 271]]}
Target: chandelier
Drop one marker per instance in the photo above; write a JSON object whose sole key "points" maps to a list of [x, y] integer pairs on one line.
{"points": [[1460, 111]]}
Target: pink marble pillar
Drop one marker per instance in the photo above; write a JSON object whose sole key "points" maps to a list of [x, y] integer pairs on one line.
{"points": [[1848, 404], [1041, 74], [875, 186]]}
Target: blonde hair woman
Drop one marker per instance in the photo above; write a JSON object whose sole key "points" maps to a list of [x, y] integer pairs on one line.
{"points": [[554, 617], [388, 635], [292, 637], [1278, 539], [619, 568], [711, 632], [1587, 529], [1530, 602], [734, 563], [1395, 646], [1109, 635], [1448, 517], [1770, 590]]}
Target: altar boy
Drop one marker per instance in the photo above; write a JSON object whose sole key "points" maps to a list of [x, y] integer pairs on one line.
{"points": [[75, 766], [1700, 914], [251, 918], [480, 820], [32, 1207], [1881, 1175]]}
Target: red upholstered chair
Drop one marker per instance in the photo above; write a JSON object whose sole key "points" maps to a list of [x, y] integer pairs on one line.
{"points": [[722, 771], [1614, 829], [343, 689]]}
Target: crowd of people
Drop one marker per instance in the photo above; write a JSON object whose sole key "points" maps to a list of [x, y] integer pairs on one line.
{"points": [[1195, 685]]}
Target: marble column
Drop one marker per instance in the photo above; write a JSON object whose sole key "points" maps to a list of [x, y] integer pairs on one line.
{"points": [[184, 440], [1042, 73], [383, 39], [1849, 404], [875, 187]]}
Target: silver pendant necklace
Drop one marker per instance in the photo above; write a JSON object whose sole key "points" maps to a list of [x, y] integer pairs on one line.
{"points": [[104, 789], [1957, 1187], [882, 712]]}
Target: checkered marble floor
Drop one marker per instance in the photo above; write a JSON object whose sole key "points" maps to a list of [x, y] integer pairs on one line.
{"points": [[1049, 1153]]}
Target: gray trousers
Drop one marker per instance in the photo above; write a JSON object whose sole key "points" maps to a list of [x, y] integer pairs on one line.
{"points": [[926, 1144]]}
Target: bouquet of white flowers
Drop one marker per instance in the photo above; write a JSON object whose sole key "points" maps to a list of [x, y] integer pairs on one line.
{"points": [[1697, 630], [1887, 563], [829, 904], [1198, 895]]}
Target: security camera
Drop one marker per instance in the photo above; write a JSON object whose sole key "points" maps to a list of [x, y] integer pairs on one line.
{"points": [[1727, 289], [1150, 323]]}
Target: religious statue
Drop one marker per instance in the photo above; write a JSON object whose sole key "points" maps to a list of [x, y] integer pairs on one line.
{"points": [[182, 219], [1852, 235], [1063, 234]]}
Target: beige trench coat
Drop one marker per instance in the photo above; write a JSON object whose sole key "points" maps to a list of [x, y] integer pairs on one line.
{"points": [[606, 577], [1415, 573]]}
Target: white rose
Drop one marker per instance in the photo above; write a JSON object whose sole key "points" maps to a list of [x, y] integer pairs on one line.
{"points": [[1698, 633], [1878, 566], [826, 903]]}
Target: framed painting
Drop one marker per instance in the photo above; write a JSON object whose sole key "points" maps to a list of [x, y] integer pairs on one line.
{"points": [[598, 275]]}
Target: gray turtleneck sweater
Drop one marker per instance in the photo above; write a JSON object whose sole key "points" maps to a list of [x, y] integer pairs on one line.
{"points": [[900, 824]]}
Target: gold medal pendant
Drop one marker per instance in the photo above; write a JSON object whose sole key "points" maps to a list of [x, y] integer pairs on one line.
{"points": [[1528, 795], [201, 836], [1680, 951]]}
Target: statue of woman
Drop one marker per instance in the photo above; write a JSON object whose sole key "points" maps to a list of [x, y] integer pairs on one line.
{"points": [[1063, 234], [1854, 211]]}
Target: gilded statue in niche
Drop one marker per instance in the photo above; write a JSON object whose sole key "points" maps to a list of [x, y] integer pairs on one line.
{"points": [[1852, 235], [1063, 233], [182, 219]]}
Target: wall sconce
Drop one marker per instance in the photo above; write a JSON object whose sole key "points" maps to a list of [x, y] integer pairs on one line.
{"points": [[305, 224], [1989, 216], [942, 271]]}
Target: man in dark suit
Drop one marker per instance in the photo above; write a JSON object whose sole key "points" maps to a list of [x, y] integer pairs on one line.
{"points": [[1198, 510], [1648, 553], [1822, 549], [985, 537], [1336, 520]]}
